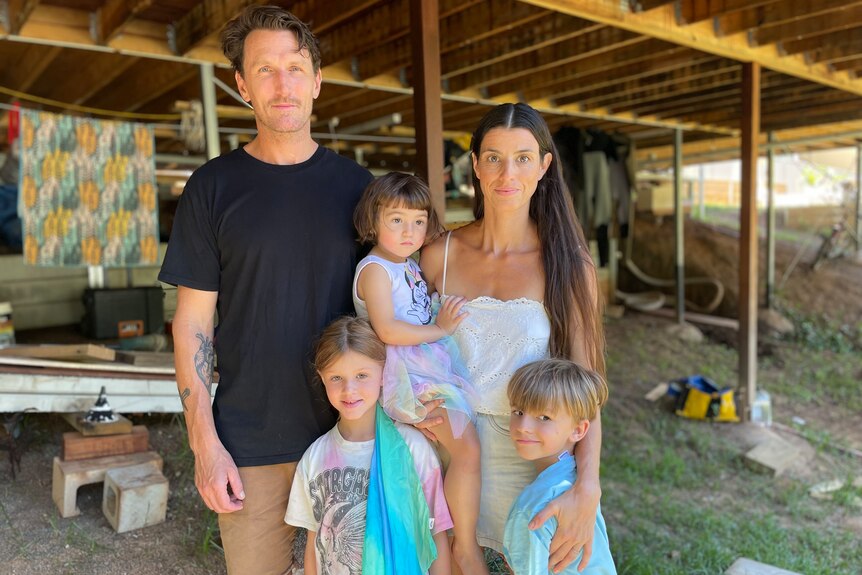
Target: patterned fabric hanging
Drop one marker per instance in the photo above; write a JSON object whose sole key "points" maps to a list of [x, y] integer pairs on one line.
{"points": [[89, 192]]}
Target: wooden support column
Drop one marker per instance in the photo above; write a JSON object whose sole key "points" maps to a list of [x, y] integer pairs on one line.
{"points": [[859, 200], [427, 98], [750, 131], [209, 104], [770, 223], [679, 226]]}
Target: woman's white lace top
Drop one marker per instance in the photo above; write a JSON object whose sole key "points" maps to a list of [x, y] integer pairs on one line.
{"points": [[495, 340]]}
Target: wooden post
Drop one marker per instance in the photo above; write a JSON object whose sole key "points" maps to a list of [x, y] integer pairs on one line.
{"points": [[750, 130], [859, 200], [770, 223], [427, 98], [679, 226], [209, 105]]}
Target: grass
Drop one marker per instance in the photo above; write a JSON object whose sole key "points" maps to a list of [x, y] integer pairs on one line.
{"points": [[683, 503], [676, 495]]}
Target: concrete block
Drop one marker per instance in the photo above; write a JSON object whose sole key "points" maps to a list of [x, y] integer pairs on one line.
{"points": [[68, 476], [135, 497], [743, 566], [773, 456]]}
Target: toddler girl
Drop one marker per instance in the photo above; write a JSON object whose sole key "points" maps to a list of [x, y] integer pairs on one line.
{"points": [[422, 361]]}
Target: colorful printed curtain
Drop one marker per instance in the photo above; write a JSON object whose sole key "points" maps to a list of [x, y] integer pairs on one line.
{"points": [[88, 190]]}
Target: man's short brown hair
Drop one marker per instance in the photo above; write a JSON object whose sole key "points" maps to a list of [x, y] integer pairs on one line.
{"points": [[266, 18]]}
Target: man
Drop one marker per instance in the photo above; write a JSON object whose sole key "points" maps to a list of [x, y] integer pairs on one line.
{"points": [[263, 236]]}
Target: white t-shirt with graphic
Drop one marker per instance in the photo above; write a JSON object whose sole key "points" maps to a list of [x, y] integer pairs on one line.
{"points": [[330, 492]]}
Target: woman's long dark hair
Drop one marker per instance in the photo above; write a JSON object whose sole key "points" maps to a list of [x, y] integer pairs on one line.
{"points": [[569, 269]]}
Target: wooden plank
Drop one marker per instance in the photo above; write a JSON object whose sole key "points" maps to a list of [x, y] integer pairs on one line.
{"points": [[67, 352], [78, 421], [105, 367], [425, 36], [114, 15], [70, 392], [748, 236], [146, 358], [75, 445], [691, 11]]}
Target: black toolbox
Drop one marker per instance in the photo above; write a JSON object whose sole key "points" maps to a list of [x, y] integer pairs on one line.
{"points": [[125, 312]]}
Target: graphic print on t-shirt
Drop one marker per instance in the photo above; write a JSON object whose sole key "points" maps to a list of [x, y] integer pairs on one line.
{"points": [[339, 498], [421, 306]]}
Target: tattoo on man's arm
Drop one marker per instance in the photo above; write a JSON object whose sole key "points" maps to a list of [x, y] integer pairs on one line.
{"points": [[204, 361], [185, 393]]}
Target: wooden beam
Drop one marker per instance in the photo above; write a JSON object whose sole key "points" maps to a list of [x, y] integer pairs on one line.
{"points": [[644, 57], [459, 33], [725, 96], [17, 13], [144, 82], [114, 15], [506, 74], [840, 19], [778, 13], [636, 75], [30, 67], [849, 63], [750, 127], [691, 11], [785, 113], [101, 70], [382, 107], [425, 33], [811, 43], [837, 52], [660, 24], [205, 18], [682, 80], [705, 89], [510, 42], [643, 5]]}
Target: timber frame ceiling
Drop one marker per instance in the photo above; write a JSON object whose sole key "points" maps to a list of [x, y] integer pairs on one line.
{"points": [[639, 67]]}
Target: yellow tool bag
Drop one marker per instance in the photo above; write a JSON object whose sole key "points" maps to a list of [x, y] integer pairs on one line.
{"points": [[698, 397]]}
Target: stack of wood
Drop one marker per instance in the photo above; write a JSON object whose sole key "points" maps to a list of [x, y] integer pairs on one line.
{"points": [[65, 378]]}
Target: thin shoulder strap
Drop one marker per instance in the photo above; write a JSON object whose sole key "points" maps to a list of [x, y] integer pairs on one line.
{"points": [[445, 263]]}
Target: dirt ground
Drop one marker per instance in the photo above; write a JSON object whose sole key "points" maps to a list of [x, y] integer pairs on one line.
{"points": [[830, 297], [35, 540]]}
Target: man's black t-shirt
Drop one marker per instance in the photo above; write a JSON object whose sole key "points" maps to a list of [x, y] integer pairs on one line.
{"points": [[277, 243]]}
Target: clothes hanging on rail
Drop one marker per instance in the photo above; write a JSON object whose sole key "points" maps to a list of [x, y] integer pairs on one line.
{"points": [[598, 169]]}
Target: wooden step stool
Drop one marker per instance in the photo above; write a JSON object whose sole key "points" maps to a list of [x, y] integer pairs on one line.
{"points": [[135, 497], [70, 475]]}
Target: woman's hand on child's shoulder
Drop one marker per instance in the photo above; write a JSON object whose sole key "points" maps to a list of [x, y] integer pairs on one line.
{"points": [[451, 314]]}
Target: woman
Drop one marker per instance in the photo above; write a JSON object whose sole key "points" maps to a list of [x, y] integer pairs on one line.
{"points": [[526, 272]]}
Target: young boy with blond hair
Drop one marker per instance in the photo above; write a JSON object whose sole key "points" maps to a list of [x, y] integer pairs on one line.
{"points": [[553, 402]]}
